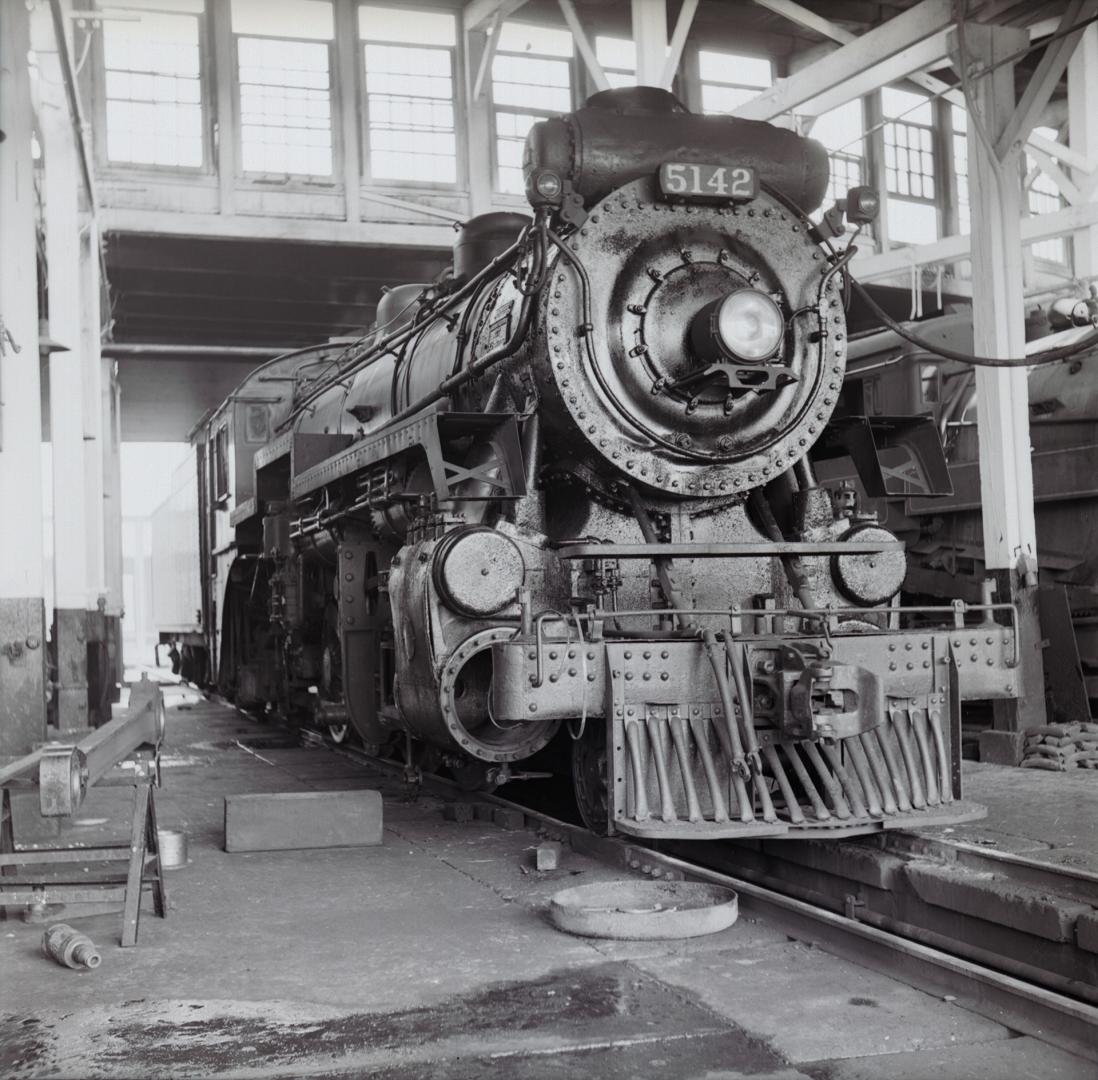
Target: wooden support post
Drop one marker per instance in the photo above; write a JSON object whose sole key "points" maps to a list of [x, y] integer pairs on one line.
{"points": [[583, 45], [111, 403], [224, 79], [1083, 133], [1045, 79], [348, 63], [478, 121], [650, 36], [71, 593], [95, 448], [678, 43], [22, 609], [1002, 394]]}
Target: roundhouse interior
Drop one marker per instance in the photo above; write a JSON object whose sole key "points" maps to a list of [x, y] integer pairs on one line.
{"points": [[549, 537]]}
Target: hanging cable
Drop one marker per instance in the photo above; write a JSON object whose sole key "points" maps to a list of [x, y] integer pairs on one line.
{"points": [[841, 262], [1049, 356]]}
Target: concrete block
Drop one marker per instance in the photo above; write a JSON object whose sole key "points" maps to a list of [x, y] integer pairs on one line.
{"points": [[284, 821], [1002, 747], [458, 811], [1086, 931], [996, 900], [548, 855], [484, 812], [855, 862], [506, 818]]}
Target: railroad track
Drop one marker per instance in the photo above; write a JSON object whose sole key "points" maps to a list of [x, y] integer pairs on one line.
{"points": [[1026, 1000]]}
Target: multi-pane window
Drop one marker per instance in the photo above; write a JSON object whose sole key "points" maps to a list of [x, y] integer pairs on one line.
{"points": [[1044, 198], [618, 59], [152, 64], [910, 173], [841, 131], [284, 77], [531, 79], [729, 79], [409, 65]]}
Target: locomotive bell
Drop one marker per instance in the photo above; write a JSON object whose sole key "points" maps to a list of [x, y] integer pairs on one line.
{"points": [[482, 238]]}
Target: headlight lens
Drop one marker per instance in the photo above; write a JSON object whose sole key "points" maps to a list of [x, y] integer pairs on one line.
{"points": [[749, 325]]}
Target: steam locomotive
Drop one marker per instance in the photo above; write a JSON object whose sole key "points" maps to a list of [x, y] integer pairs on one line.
{"points": [[563, 495]]}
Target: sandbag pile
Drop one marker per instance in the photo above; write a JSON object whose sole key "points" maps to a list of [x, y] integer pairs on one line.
{"points": [[1057, 747]]}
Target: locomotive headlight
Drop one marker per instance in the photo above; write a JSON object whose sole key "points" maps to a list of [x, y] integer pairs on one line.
{"points": [[749, 325]]}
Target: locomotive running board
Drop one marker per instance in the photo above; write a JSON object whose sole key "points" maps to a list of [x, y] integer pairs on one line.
{"points": [[431, 434]]}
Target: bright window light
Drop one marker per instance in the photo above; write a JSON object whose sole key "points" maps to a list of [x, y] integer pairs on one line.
{"points": [[285, 106], [410, 113], [407, 26], [960, 166], [911, 222], [841, 131], [531, 79], [905, 105], [409, 65], [310, 20], [1044, 198], [734, 68], [618, 59], [730, 79], [516, 37], [911, 170], [152, 68]]}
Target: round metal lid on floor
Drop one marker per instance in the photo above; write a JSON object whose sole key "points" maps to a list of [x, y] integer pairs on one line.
{"points": [[636, 910]]}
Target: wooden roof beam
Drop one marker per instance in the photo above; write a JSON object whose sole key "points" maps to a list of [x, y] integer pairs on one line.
{"points": [[583, 45], [1046, 78], [802, 16], [902, 35], [954, 248], [479, 14]]}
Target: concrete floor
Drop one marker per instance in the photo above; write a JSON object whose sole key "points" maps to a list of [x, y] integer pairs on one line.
{"points": [[1046, 816], [431, 957]]}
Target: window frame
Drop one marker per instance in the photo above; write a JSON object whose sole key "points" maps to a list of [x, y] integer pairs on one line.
{"points": [[697, 102], [207, 103], [457, 62], [941, 176], [611, 69], [283, 181], [935, 157], [220, 478], [868, 232], [541, 114], [1065, 242]]}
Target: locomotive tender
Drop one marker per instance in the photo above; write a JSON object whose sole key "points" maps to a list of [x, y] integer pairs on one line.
{"points": [[567, 487]]}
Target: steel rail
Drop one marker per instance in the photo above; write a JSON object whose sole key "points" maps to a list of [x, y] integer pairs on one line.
{"points": [[954, 946], [1021, 1006]]}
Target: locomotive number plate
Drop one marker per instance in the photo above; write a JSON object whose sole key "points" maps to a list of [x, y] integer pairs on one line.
{"points": [[734, 183]]}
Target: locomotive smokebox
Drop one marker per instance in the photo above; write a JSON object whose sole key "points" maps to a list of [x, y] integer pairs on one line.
{"points": [[624, 134]]}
